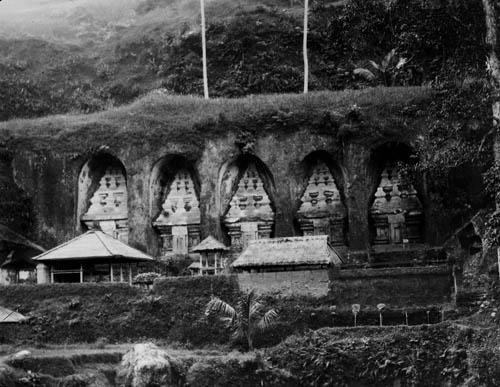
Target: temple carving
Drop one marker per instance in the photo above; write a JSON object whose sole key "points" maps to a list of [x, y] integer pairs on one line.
{"points": [[179, 220], [108, 206], [321, 211], [396, 211], [250, 215]]}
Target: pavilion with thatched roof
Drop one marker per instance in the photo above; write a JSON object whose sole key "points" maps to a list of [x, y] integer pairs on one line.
{"points": [[90, 257], [289, 253], [16, 253], [210, 250]]}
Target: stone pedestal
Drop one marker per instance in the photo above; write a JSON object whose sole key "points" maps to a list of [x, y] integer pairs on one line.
{"points": [[413, 228], [381, 230], [42, 274], [244, 232], [235, 236], [337, 232], [178, 239]]}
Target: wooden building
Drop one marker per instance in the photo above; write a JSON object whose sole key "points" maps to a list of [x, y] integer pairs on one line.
{"points": [[211, 257], [10, 316], [286, 254], [16, 253], [91, 257]]}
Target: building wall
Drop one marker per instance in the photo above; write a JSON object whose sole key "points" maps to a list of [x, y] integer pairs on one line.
{"points": [[394, 286], [285, 283]]}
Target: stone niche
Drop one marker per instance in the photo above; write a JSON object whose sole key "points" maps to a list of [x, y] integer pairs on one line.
{"points": [[396, 212], [108, 206], [103, 197], [179, 220], [321, 211], [250, 215]]}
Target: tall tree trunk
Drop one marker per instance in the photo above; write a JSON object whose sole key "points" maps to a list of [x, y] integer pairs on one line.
{"points": [[250, 341], [204, 49], [306, 60], [493, 67], [250, 330]]}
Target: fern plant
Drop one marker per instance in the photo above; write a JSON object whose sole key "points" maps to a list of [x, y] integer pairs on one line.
{"points": [[246, 318]]}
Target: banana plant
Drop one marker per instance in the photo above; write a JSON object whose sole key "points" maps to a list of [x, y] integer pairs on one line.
{"points": [[386, 72], [246, 318]]}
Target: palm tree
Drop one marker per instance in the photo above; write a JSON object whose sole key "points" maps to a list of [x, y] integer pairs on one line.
{"points": [[246, 318], [304, 48], [204, 49]]}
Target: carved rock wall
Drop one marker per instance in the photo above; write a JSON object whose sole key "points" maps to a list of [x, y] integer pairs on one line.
{"points": [[51, 182]]}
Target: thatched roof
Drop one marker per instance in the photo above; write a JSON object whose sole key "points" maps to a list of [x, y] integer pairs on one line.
{"points": [[209, 244], [12, 237], [9, 316], [289, 251], [16, 251], [93, 244]]}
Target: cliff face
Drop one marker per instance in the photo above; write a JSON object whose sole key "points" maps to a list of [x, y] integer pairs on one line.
{"points": [[348, 131], [15, 206]]}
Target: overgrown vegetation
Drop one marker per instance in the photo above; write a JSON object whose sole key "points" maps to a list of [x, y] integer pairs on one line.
{"points": [[252, 48], [172, 311], [160, 118], [425, 356]]}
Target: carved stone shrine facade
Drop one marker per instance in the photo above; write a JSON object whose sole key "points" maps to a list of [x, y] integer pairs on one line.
{"points": [[321, 211], [250, 215], [179, 220], [396, 212], [108, 206]]}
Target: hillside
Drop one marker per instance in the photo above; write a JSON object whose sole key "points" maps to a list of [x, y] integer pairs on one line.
{"points": [[85, 55]]}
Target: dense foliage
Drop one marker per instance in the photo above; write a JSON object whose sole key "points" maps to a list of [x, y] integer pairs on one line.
{"points": [[256, 50], [456, 149], [260, 52], [252, 372], [68, 313], [429, 356], [172, 311]]}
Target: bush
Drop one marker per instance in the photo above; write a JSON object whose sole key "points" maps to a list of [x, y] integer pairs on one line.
{"points": [[418, 357], [484, 366], [146, 278], [247, 373]]}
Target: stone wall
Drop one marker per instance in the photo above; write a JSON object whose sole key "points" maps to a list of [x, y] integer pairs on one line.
{"points": [[312, 283], [393, 286], [396, 287]]}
